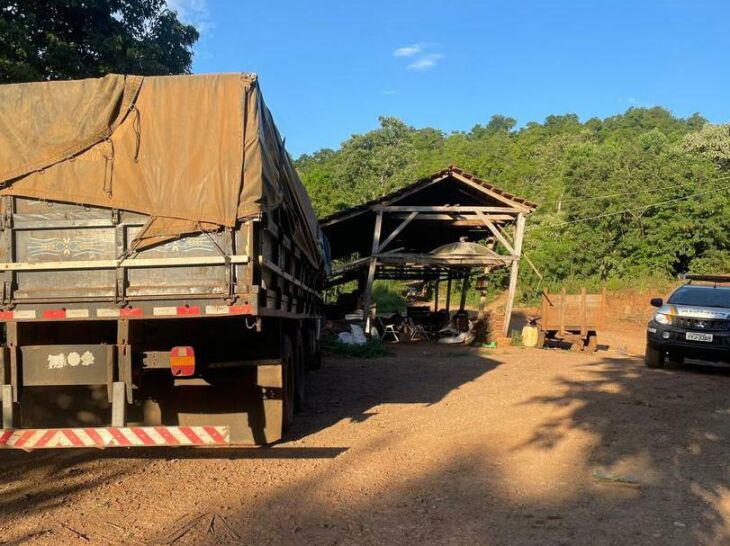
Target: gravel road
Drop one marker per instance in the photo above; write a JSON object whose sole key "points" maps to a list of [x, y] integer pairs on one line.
{"points": [[431, 445]]}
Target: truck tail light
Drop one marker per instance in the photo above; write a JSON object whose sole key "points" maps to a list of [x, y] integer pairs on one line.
{"points": [[182, 361]]}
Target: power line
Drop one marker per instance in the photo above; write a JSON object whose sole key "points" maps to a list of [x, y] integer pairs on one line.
{"points": [[624, 211], [644, 190]]}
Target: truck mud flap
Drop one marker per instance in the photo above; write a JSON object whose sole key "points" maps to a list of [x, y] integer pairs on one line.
{"points": [[103, 437], [248, 401]]}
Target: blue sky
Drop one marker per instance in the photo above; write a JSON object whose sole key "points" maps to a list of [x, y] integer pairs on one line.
{"points": [[328, 69]]}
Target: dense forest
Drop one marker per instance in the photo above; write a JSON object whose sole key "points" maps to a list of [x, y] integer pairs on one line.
{"points": [[637, 196]]}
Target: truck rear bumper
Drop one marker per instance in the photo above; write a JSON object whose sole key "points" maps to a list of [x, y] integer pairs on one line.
{"points": [[103, 437]]}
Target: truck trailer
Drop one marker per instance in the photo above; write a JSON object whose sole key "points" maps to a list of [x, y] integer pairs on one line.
{"points": [[161, 265]]}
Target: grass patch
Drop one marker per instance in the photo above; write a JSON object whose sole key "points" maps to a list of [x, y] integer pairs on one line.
{"points": [[388, 297]]}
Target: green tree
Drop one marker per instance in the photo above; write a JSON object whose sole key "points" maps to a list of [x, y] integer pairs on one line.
{"points": [[711, 142], [65, 39], [639, 194]]}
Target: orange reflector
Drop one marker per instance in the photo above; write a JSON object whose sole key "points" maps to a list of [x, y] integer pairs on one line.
{"points": [[182, 361]]}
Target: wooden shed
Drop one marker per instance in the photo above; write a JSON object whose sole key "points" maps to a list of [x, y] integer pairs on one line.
{"points": [[406, 234]]}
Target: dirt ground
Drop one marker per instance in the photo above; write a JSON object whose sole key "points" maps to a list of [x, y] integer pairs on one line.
{"points": [[432, 445]]}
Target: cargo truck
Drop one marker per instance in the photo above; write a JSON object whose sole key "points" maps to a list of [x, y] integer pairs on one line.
{"points": [[161, 265]]}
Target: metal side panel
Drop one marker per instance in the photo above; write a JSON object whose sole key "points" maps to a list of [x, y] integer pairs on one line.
{"points": [[64, 245], [184, 280]]}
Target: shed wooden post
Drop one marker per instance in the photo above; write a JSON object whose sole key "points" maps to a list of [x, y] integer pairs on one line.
{"points": [[515, 268], [464, 290], [436, 291], [448, 293], [371, 271]]}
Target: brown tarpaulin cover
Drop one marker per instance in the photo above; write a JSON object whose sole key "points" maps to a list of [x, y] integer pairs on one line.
{"points": [[194, 152]]}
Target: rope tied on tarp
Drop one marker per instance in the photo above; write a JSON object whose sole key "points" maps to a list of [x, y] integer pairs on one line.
{"points": [[109, 168]]}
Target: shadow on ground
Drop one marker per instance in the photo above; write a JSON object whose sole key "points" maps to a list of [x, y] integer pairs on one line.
{"points": [[659, 436], [344, 389]]}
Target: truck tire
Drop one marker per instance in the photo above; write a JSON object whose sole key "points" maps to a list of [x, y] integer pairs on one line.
{"points": [[653, 358], [300, 375], [313, 352], [288, 382]]}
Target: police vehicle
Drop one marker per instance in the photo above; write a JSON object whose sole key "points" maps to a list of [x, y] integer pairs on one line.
{"points": [[694, 322]]}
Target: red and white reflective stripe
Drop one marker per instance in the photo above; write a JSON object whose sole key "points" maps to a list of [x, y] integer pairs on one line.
{"points": [[117, 313], [178, 311], [17, 315], [114, 437], [65, 313], [127, 312], [227, 309]]}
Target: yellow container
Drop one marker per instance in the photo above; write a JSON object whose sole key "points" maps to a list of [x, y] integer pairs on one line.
{"points": [[529, 336]]}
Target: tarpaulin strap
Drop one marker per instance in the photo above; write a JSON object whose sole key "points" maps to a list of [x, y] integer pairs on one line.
{"points": [[109, 168], [226, 257], [137, 125]]}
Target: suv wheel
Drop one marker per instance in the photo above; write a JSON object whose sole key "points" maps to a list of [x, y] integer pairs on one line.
{"points": [[676, 360], [653, 358]]}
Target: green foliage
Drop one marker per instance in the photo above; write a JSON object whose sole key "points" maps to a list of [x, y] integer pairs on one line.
{"points": [[388, 297], [64, 39], [711, 142], [636, 196], [373, 348]]}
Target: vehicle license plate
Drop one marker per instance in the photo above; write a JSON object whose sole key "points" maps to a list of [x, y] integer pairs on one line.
{"points": [[695, 336]]}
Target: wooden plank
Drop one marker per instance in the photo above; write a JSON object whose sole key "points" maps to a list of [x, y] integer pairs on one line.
{"points": [[426, 259], [444, 208], [561, 311], [126, 263], [397, 230], [448, 293], [436, 295], [496, 232], [514, 271], [415, 189], [499, 197], [464, 218], [279, 271], [464, 290], [583, 313], [371, 269]]}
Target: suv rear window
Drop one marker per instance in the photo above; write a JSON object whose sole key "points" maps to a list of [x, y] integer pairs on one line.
{"points": [[704, 296]]}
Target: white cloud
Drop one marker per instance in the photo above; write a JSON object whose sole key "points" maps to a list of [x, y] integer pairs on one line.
{"points": [[408, 51], [387, 92], [193, 12], [426, 62]]}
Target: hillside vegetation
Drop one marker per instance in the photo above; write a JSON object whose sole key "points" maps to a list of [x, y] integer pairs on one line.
{"points": [[623, 200]]}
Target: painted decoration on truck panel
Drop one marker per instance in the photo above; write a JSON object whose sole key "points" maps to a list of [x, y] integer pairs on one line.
{"points": [[73, 359], [188, 244], [81, 246]]}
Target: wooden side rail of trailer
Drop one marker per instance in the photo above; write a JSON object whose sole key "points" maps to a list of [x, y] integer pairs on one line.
{"points": [[573, 318]]}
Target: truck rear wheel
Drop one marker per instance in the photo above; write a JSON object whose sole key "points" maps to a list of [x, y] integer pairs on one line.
{"points": [[653, 358], [288, 382]]}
